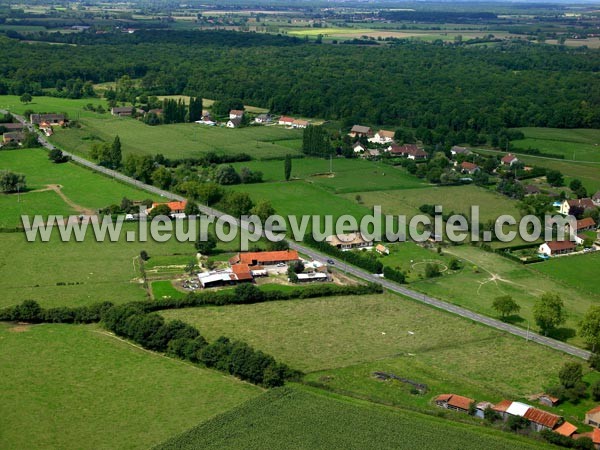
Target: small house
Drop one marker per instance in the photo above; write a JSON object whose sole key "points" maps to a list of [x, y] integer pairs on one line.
{"points": [[468, 167], [263, 118], [382, 249], [592, 417], [177, 208], [286, 121], [531, 190], [50, 119], [360, 131], [299, 123], [454, 402], [236, 114], [566, 429], [358, 147], [554, 248], [456, 150], [15, 137], [234, 123], [583, 203], [382, 137], [542, 420], [122, 111], [11, 126], [509, 160], [349, 241], [596, 199]]}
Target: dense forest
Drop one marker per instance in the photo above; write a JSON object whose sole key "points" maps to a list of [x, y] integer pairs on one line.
{"points": [[443, 87]]}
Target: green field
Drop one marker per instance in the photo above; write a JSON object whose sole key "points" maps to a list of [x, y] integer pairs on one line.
{"points": [[349, 175], [183, 140], [300, 418], [84, 188], [76, 387], [73, 108], [580, 272], [326, 334], [573, 144]]}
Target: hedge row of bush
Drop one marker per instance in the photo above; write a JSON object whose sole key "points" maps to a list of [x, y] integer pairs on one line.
{"points": [[583, 443], [394, 275], [179, 339], [30, 311], [366, 262]]}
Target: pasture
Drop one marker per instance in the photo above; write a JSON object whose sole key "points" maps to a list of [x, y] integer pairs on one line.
{"points": [[182, 140], [74, 189], [72, 107], [298, 417], [324, 334], [74, 386], [573, 144], [579, 271]]}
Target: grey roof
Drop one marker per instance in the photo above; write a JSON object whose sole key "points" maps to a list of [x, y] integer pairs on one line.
{"points": [[12, 126], [236, 121], [360, 129]]}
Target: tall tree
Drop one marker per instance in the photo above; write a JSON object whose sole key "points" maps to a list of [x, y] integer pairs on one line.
{"points": [[548, 312], [589, 329], [287, 167], [505, 306], [115, 153]]}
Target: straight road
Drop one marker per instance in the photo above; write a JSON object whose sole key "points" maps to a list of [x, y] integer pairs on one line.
{"points": [[355, 271]]}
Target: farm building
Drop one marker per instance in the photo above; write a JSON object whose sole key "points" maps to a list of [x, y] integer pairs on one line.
{"points": [[531, 190], [223, 278], [410, 151], [12, 126], [566, 429], [548, 400], [349, 241], [253, 259], [502, 408], [122, 111], [456, 150], [592, 417], [539, 420], [553, 248], [454, 402], [234, 123], [287, 121], [360, 131], [177, 209], [51, 119], [596, 199], [263, 118], [470, 168], [382, 137], [382, 249], [312, 276], [509, 160], [358, 147], [583, 203], [236, 114], [15, 137]]}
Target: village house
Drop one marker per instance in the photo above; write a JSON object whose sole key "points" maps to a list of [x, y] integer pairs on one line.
{"points": [[177, 208], [596, 199], [566, 429], [299, 123], [234, 123], [454, 402], [456, 150], [509, 160], [554, 248], [382, 249], [358, 147], [585, 224], [349, 241], [417, 154], [263, 118], [468, 167], [410, 151], [236, 114], [592, 417], [253, 259], [12, 126], [382, 137], [15, 137], [122, 111], [287, 121], [50, 119], [531, 190], [584, 203], [360, 131], [371, 153]]}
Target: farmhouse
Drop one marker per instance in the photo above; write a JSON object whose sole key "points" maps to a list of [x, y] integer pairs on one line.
{"points": [[509, 160], [348, 241], [122, 111], [263, 118], [596, 199], [312, 276], [382, 137], [470, 168], [531, 190], [592, 417], [360, 131], [548, 400], [358, 147], [553, 248], [299, 123], [287, 121], [224, 277], [566, 429], [236, 114], [177, 209], [417, 154], [253, 259], [539, 419], [585, 224], [51, 119], [583, 203], [454, 402], [456, 150], [234, 123], [12, 126], [371, 153], [15, 137], [382, 249]]}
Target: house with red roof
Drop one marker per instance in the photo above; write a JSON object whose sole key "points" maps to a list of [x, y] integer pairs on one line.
{"points": [[582, 203], [509, 160], [382, 137], [454, 402], [592, 417], [287, 121], [253, 259], [468, 167], [236, 114], [177, 208], [554, 248]]}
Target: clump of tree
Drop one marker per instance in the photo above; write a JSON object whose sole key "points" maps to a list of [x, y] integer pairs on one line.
{"points": [[316, 141], [56, 156], [432, 270], [572, 387], [548, 312], [505, 306], [394, 275], [227, 175], [287, 167], [108, 154], [12, 182]]}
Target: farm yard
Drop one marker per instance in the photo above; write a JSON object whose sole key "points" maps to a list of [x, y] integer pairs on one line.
{"points": [[295, 416], [66, 382]]}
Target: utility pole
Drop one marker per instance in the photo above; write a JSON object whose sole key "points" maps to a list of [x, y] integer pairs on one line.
{"points": [[330, 163]]}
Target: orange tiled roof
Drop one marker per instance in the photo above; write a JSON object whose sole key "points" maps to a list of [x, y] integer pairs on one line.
{"points": [[566, 429], [542, 417]]}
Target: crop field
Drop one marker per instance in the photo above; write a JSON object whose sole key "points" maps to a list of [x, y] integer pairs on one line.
{"points": [[324, 334], [488, 275], [349, 175], [298, 417], [57, 188], [580, 271], [574, 144], [176, 140], [74, 386]]}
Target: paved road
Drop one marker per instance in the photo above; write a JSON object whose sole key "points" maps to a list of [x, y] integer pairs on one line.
{"points": [[359, 273]]}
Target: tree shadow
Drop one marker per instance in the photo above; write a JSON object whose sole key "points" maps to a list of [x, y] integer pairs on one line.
{"points": [[562, 334], [513, 319]]}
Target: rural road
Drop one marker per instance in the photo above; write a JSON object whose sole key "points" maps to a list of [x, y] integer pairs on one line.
{"points": [[359, 273]]}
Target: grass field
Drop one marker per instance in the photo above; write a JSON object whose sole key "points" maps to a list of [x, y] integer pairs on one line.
{"points": [[349, 175], [74, 387], [332, 333], [72, 107], [579, 272], [84, 188], [177, 140], [573, 144], [299, 418]]}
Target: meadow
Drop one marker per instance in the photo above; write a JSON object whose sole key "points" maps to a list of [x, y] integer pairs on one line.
{"points": [[83, 188], [72, 107], [182, 140], [573, 144], [298, 417], [579, 271], [66, 386]]}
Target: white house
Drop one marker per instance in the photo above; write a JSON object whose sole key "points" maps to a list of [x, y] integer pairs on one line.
{"points": [[585, 203], [553, 248], [509, 160], [358, 148], [456, 150], [287, 121], [382, 137], [234, 123], [236, 114]]}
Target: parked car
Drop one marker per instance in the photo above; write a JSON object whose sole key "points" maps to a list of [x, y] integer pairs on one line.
{"points": [[331, 262]]}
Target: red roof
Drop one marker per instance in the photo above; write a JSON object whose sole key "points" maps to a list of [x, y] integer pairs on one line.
{"points": [[585, 203], [585, 223], [286, 119], [469, 166], [566, 429], [542, 417], [237, 112], [173, 206], [456, 401], [594, 410], [242, 271], [443, 397], [557, 246], [596, 436], [509, 158], [252, 258], [502, 406]]}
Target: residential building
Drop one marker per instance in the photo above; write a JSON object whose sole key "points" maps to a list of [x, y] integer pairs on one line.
{"points": [[592, 417], [14, 137], [234, 123], [548, 400], [509, 160], [51, 119], [456, 150], [287, 121], [554, 248], [122, 111], [263, 118], [358, 147], [531, 190], [596, 199], [236, 114], [382, 249], [299, 123], [349, 241], [583, 203], [454, 402], [468, 167], [177, 208], [542, 420], [382, 137], [360, 131], [12, 126]]}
